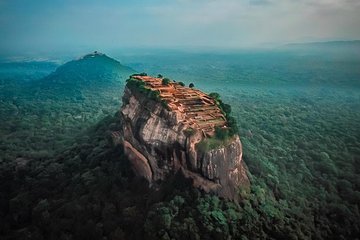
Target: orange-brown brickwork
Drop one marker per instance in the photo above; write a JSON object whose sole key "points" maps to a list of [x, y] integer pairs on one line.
{"points": [[197, 109]]}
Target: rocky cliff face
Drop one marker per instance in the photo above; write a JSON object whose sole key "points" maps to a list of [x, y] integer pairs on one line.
{"points": [[159, 145]]}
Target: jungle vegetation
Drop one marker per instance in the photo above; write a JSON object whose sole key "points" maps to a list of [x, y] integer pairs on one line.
{"points": [[61, 177]]}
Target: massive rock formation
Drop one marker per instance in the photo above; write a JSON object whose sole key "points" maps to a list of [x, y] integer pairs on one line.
{"points": [[169, 129]]}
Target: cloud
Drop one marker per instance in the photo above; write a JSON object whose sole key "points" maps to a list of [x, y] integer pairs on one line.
{"points": [[260, 2], [159, 23], [276, 21]]}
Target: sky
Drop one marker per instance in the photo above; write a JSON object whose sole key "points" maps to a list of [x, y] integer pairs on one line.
{"points": [[34, 25]]}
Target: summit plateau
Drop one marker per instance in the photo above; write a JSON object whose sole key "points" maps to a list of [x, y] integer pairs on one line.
{"points": [[169, 129]]}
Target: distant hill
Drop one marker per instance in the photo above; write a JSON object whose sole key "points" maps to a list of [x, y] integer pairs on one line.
{"points": [[94, 69], [347, 48], [354, 43], [93, 75], [58, 107]]}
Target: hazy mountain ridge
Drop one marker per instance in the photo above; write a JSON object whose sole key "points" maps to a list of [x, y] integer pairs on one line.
{"points": [[342, 50], [349, 43]]}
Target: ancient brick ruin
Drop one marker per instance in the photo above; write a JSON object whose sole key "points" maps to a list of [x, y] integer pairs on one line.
{"points": [[195, 108]]}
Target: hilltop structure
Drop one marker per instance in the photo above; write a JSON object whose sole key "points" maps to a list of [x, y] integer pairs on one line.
{"points": [[192, 107], [170, 130]]}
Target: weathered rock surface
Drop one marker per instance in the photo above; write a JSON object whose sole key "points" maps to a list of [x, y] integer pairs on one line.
{"points": [[156, 143]]}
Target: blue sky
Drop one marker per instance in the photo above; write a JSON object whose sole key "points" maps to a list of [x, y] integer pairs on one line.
{"points": [[38, 24]]}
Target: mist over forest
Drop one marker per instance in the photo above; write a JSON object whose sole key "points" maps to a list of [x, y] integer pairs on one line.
{"points": [[179, 119], [297, 114]]}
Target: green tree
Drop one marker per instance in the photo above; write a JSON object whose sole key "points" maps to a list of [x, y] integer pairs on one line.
{"points": [[215, 95], [165, 81], [226, 108], [221, 133]]}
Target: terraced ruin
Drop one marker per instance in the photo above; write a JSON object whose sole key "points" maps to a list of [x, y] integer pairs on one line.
{"points": [[195, 108]]}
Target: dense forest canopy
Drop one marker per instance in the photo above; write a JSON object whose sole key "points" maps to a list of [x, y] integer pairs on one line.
{"points": [[62, 177]]}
